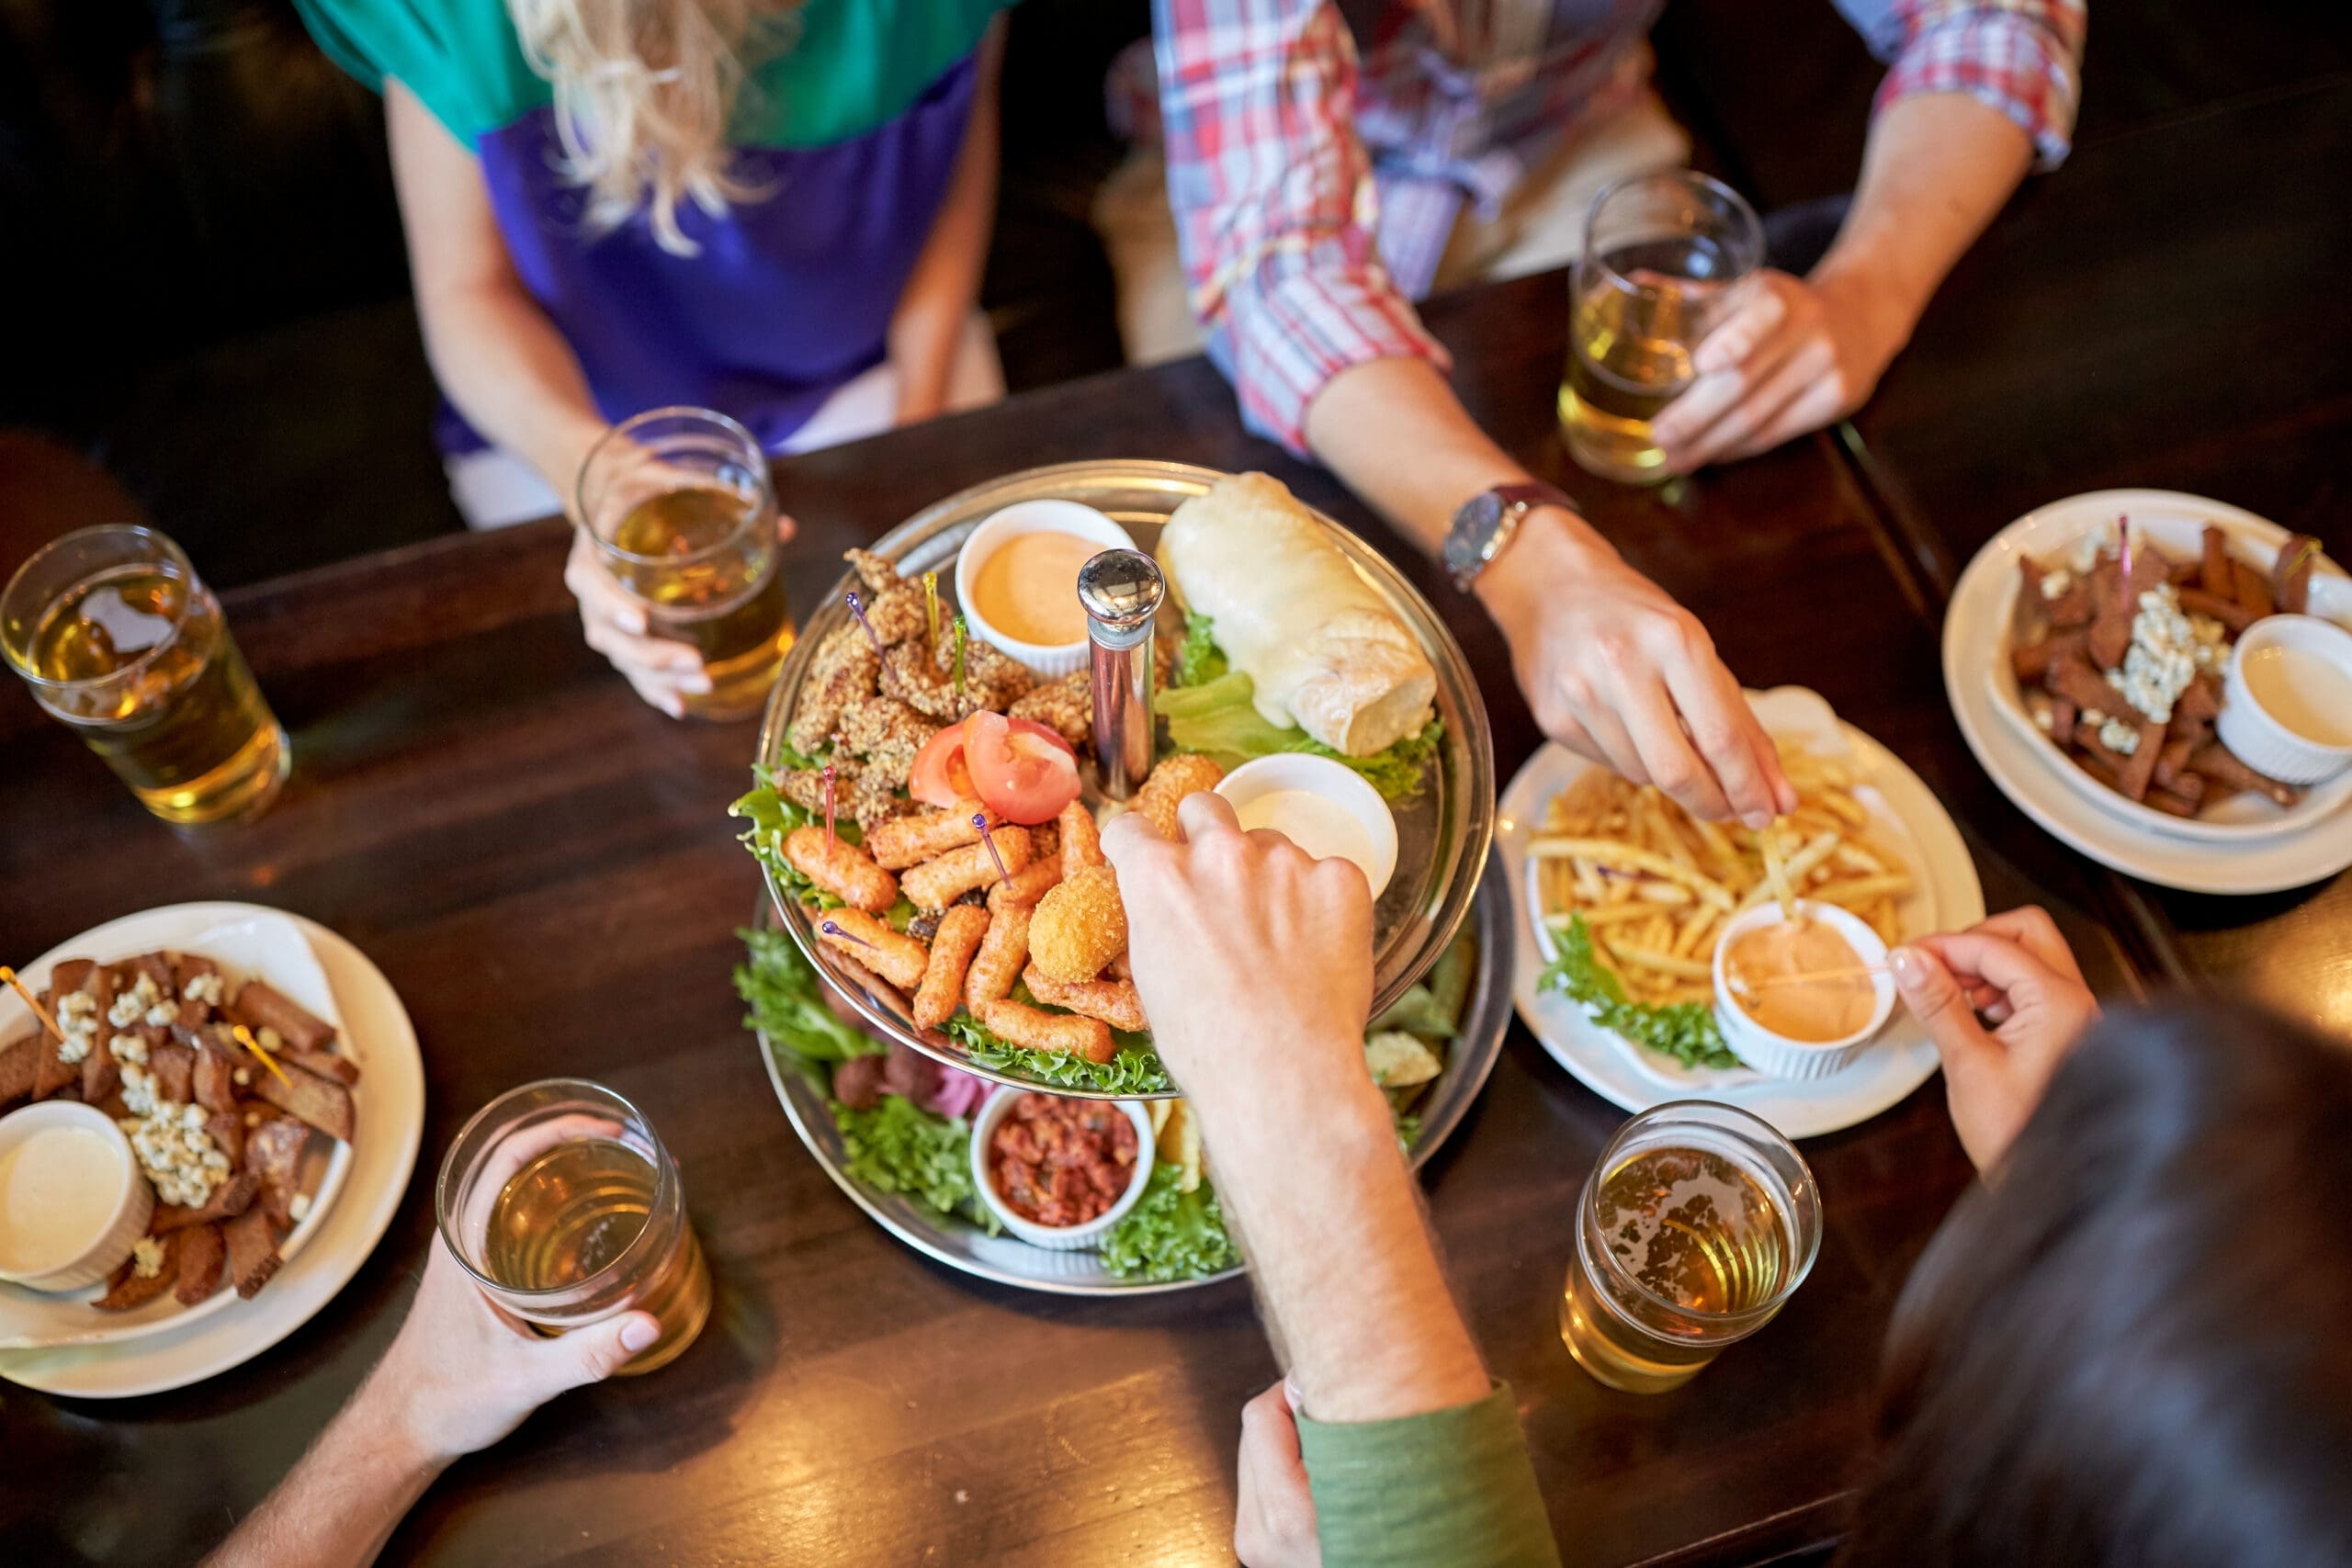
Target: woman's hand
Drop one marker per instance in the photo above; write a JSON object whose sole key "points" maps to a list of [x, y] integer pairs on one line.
{"points": [[1274, 1525], [2017, 971], [660, 670]]}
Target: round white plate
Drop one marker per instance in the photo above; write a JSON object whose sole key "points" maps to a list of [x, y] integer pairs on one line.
{"points": [[1902, 1059], [224, 1332], [2037, 780]]}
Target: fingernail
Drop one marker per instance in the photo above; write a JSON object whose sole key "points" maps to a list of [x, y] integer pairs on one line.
{"points": [[1906, 964], [695, 681], [638, 1334], [1759, 820], [1292, 1396]]}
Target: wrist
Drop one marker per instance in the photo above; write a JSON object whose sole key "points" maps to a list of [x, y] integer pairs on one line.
{"points": [[391, 1407], [1258, 1112], [1553, 545], [1871, 295]]}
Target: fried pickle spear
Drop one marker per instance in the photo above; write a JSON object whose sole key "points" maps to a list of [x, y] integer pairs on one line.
{"points": [[898, 958], [1114, 1001], [1065, 1032], [1080, 927], [1187, 773], [1081, 842], [911, 840], [840, 869], [996, 965], [958, 937], [936, 883]]}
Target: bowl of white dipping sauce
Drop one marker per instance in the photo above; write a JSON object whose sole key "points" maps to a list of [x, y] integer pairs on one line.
{"points": [[2287, 701], [72, 1201], [1323, 806]]}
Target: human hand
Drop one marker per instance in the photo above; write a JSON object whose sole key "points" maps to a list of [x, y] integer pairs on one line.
{"points": [[1615, 668], [2017, 971], [1273, 1523], [1793, 356]]}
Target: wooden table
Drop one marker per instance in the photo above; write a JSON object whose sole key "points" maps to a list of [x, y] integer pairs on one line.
{"points": [[544, 868]]}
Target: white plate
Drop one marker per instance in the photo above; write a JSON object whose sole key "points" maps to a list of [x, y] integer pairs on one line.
{"points": [[202, 1342], [1627, 1075], [2038, 782], [2175, 525]]}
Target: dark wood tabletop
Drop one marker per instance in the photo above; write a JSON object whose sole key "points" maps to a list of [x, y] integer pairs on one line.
{"points": [[544, 869]]}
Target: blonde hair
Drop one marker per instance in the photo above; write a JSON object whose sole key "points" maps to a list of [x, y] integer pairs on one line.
{"points": [[645, 93]]}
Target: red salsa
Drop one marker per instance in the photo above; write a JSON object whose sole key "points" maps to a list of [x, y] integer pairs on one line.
{"points": [[1062, 1162]]}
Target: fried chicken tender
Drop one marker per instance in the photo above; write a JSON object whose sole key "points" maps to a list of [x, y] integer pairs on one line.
{"points": [[1029, 885], [887, 733], [1115, 1002], [1080, 927], [897, 957], [1065, 707], [960, 932], [996, 965], [991, 682], [893, 601], [1082, 843], [936, 883], [1187, 773], [879, 573], [1070, 1034], [841, 869], [875, 799], [912, 840], [844, 672]]}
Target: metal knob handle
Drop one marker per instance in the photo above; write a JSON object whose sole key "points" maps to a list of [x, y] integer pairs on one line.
{"points": [[1121, 591]]}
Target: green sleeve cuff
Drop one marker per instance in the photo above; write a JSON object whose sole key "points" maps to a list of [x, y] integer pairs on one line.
{"points": [[1453, 1486]]}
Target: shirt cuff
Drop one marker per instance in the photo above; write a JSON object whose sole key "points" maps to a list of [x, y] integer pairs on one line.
{"points": [[2026, 69], [1449, 1487], [1284, 342]]}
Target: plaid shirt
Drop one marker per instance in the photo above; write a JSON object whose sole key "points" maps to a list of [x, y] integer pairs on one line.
{"points": [[1320, 150]]}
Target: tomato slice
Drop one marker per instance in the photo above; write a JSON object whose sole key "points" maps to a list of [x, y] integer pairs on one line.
{"points": [[1023, 771], [940, 776]]}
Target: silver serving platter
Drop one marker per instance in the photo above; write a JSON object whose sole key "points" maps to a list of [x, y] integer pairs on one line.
{"points": [[1485, 1016], [1443, 834]]}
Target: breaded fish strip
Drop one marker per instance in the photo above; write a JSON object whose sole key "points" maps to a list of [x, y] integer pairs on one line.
{"points": [[1080, 927], [897, 957], [1081, 842], [958, 937], [1028, 886], [841, 869], [1065, 707], [1069, 1034], [936, 883], [911, 840], [1115, 1002], [1187, 773], [998, 964], [844, 672]]}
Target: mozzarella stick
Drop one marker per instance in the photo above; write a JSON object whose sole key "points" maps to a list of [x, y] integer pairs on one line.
{"points": [[1081, 842], [1066, 1033], [1030, 885], [910, 840], [936, 883], [840, 869], [1114, 1001], [1003, 952], [959, 934], [897, 957]]}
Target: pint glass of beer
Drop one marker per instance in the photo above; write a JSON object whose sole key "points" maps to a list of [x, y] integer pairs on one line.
{"points": [[1664, 254], [1695, 1227], [563, 1205], [118, 638], [684, 518]]}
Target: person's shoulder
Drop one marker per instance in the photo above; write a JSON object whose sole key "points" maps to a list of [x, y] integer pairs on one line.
{"points": [[461, 58], [839, 69]]}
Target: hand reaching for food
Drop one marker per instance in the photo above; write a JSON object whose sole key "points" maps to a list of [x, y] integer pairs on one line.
{"points": [[2016, 971]]}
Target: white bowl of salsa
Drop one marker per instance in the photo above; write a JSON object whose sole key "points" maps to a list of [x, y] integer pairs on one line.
{"points": [[1064, 1200], [1800, 1028], [1016, 580]]}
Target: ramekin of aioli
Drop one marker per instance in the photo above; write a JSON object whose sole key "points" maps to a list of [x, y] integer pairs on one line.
{"points": [[1802, 997], [1016, 578], [72, 1202], [1323, 806], [2287, 700]]}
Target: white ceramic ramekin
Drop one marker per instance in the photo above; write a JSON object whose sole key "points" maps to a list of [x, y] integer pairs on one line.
{"points": [[1032, 517], [2262, 742], [134, 1200], [1059, 1238], [1335, 782], [1776, 1056]]}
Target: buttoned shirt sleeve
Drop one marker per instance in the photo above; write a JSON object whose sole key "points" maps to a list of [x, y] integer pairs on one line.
{"points": [[2022, 57]]}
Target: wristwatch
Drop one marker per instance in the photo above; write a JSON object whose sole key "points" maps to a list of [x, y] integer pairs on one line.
{"points": [[1484, 524]]}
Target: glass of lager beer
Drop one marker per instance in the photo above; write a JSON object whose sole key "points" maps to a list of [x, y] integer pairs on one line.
{"points": [[1664, 254], [1695, 1227]]}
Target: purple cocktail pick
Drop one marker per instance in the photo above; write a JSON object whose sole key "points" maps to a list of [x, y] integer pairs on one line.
{"points": [[980, 821], [832, 928], [857, 608]]}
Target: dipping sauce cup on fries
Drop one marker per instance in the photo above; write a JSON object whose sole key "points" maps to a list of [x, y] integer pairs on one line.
{"points": [[1800, 993], [563, 1205], [73, 1203], [2287, 701]]}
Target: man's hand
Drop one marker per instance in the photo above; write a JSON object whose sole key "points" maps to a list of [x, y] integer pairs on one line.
{"points": [[1615, 668], [1274, 1525], [1794, 356], [2015, 970]]}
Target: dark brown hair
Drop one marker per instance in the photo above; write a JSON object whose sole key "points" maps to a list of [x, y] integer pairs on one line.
{"points": [[2135, 1347]]}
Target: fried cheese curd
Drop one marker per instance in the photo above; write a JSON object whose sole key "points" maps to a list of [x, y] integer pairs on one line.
{"points": [[1080, 927]]}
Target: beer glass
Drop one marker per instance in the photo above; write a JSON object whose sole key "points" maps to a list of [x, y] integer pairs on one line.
{"points": [[1664, 255], [1697, 1225], [118, 638], [563, 1205], [684, 518]]}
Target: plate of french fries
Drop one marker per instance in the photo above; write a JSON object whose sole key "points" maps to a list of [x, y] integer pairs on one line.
{"points": [[1623, 896]]}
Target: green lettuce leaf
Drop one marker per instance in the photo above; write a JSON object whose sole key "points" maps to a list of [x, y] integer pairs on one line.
{"points": [[1686, 1032], [781, 988], [773, 817], [898, 1146], [1200, 661], [1215, 715], [1170, 1234], [1136, 1070]]}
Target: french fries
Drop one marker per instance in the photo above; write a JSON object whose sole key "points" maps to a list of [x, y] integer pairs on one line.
{"points": [[1655, 885]]}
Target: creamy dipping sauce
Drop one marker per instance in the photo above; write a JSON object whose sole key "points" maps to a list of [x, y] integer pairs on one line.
{"points": [[1813, 1011], [58, 1191], [2303, 690], [1323, 828], [1028, 588]]}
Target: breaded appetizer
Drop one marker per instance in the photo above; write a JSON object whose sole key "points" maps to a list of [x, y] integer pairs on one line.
{"points": [[938, 883], [911, 840], [1003, 952], [1067, 1033], [1114, 1001], [841, 869], [1187, 773], [898, 958], [1080, 927], [1081, 842], [1028, 886], [960, 932]]}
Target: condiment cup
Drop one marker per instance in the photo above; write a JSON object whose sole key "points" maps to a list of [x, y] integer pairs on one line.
{"points": [[1335, 782], [1059, 1238], [133, 1205], [2247, 727], [1776, 1056], [1032, 517]]}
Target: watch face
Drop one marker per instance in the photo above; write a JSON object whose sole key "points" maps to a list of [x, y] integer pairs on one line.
{"points": [[1473, 531]]}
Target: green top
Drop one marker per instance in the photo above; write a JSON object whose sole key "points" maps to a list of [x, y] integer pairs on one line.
{"points": [[1453, 1487]]}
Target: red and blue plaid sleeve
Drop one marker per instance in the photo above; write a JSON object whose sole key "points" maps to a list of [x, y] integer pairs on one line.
{"points": [[2022, 57], [1275, 202]]}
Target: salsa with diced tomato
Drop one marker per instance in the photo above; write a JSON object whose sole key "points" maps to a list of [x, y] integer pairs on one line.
{"points": [[1062, 1162]]}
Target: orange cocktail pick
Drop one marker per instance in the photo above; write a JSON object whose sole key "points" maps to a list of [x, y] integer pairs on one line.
{"points": [[245, 1037], [31, 1001]]}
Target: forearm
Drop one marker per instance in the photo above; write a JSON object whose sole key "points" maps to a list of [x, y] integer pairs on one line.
{"points": [[940, 293], [512, 376], [338, 1506]]}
